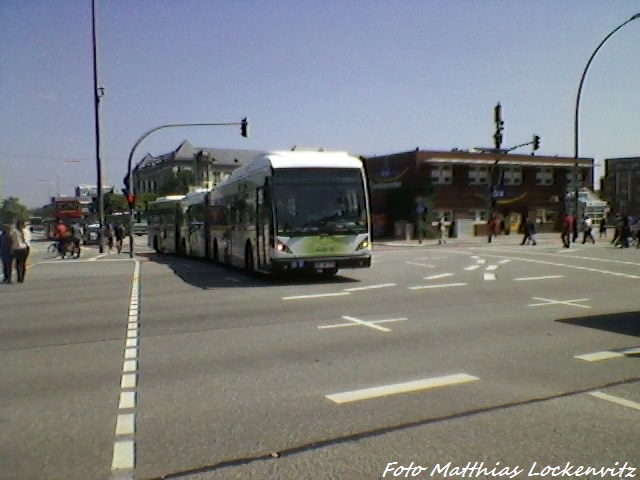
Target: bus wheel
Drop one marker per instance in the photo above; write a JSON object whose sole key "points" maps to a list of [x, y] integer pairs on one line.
{"points": [[248, 258]]}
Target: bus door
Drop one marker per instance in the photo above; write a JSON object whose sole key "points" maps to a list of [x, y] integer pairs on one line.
{"points": [[263, 218]]}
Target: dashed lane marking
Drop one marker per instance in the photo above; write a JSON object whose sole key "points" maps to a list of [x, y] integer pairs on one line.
{"points": [[441, 285], [440, 275], [606, 355], [420, 264], [316, 295], [370, 287], [620, 401], [489, 276], [405, 387], [545, 277]]}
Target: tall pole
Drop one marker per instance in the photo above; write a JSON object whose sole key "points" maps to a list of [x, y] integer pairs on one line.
{"points": [[576, 118], [96, 103]]}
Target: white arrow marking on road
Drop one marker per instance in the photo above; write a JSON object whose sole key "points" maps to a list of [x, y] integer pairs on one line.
{"points": [[547, 301], [406, 387]]}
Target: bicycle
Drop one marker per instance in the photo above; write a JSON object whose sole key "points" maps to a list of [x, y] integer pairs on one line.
{"points": [[52, 250]]}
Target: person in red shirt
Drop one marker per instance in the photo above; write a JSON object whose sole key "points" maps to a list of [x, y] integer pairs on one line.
{"points": [[62, 235], [567, 229]]}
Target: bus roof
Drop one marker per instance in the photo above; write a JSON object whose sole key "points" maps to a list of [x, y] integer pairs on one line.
{"points": [[168, 198]]}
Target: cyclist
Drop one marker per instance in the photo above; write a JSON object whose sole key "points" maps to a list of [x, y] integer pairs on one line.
{"points": [[76, 238], [62, 235]]}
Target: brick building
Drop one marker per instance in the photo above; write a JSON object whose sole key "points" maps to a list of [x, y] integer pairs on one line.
{"points": [[458, 185], [621, 185]]}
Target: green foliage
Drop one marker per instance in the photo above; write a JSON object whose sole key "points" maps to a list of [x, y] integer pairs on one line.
{"points": [[11, 210], [144, 199], [114, 203], [177, 184]]}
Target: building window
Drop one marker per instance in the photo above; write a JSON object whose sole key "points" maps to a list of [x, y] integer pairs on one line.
{"points": [[441, 174], [447, 215], [512, 175], [569, 177], [479, 175], [544, 176], [479, 215]]}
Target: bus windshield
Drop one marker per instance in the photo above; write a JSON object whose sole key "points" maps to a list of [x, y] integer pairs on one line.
{"points": [[330, 201]]}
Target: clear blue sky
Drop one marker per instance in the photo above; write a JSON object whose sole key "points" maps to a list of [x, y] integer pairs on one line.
{"points": [[366, 76]]}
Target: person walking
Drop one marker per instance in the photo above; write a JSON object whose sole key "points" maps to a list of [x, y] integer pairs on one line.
{"points": [[603, 228], [21, 249], [529, 232], [7, 242], [118, 232], [587, 230], [567, 229], [442, 228]]}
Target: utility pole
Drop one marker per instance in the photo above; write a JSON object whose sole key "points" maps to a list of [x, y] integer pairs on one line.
{"points": [[97, 93]]}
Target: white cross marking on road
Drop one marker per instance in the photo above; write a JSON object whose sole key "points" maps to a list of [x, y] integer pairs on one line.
{"points": [[371, 324], [547, 301]]}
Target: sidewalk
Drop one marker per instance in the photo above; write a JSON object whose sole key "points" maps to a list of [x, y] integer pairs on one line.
{"points": [[542, 239]]}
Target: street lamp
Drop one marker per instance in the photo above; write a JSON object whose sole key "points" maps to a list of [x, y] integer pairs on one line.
{"points": [[575, 131], [130, 184]]}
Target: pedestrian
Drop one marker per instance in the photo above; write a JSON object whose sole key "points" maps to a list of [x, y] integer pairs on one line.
{"points": [[442, 228], [567, 229], [587, 230], [617, 229], [625, 233], [603, 228], [492, 226], [108, 233], [7, 243], [21, 249], [529, 232], [118, 232]]}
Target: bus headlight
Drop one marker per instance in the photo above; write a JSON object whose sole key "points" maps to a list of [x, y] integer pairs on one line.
{"points": [[363, 244], [281, 247]]}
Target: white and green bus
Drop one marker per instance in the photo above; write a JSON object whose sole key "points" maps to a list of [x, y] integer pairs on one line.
{"points": [[194, 232], [163, 229], [292, 211]]}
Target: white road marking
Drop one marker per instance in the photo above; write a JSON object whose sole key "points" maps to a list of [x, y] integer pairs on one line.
{"points": [[489, 276], [492, 267], [575, 267], [525, 279], [123, 456], [440, 275], [371, 323], [620, 401], [472, 267], [405, 387], [370, 287], [504, 261], [547, 301], [420, 264], [125, 424], [597, 356], [606, 355], [316, 295], [124, 450], [442, 285]]}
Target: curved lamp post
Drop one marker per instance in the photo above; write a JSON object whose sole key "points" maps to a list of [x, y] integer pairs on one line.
{"points": [[130, 183], [575, 131]]}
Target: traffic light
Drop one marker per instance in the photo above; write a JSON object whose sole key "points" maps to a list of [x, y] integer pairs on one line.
{"points": [[497, 116], [536, 142], [131, 200], [244, 128]]}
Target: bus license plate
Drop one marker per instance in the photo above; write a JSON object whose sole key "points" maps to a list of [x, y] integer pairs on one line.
{"points": [[325, 265]]}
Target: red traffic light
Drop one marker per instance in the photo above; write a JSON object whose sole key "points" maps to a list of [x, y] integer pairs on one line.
{"points": [[131, 199]]}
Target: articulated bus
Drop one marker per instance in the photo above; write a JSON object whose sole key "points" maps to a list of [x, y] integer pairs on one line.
{"points": [[292, 211], [164, 219]]}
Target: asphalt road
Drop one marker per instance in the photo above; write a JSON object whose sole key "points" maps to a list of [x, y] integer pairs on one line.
{"points": [[498, 356]]}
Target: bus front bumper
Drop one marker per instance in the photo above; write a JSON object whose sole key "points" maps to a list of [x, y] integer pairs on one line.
{"points": [[316, 264]]}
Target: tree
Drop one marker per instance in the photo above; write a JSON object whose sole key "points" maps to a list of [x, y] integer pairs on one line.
{"points": [[114, 203], [11, 210], [177, 184], [144, 199]]}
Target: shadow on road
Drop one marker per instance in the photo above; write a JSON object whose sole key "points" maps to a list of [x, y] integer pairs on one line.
{"points": [[626, 323], [206, 275]]}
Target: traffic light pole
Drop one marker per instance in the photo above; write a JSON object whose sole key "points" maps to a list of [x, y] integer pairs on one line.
{"points": [[130, 185]]}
